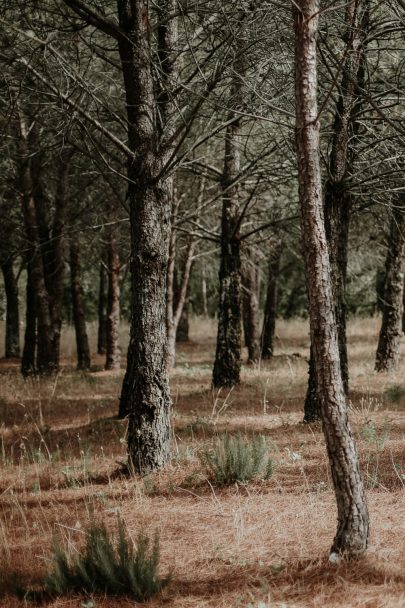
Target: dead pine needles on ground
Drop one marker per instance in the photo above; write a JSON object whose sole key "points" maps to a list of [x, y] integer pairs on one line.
{"points": [[259, 543]]}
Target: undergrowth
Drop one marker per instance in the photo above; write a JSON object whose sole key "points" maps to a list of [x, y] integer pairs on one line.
{"points": [[237, 458], [108, 565]]}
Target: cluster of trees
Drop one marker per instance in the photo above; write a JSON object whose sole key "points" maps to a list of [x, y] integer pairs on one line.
{"points": [[143, 142]]}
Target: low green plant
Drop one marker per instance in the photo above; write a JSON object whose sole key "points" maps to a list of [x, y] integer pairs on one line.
{"points": [[396, 393], [107, 565], [237, 458]]}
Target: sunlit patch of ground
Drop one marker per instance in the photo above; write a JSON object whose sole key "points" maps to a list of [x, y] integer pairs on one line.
{"points": [[61, 457]]}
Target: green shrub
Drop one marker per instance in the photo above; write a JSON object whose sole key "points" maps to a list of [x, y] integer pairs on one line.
{"points": [[395, 393], [108, 566], [237, 458]]}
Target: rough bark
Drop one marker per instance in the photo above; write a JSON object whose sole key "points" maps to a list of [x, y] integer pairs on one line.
{"points": [[388, 350], [251, 308], [45, 351], [46, 243], [227, 364], [79, 317], [102, 311], [113, 353], [30, 335], [353, 524], [338, 199], [270, 307], [12, 337], [145, 396]]}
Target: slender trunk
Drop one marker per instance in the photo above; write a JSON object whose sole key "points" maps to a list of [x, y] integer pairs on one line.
{"points": [[82, 342], [145, 396], [338, 199], [204, 293], [352, 535], [388, 350], [251, 308], [113, 354], [45, 352], [270, 308], [227, 362], [102, 311], [12, 339], [182, 333], [176, 296], [403, 309], [30, 335]]}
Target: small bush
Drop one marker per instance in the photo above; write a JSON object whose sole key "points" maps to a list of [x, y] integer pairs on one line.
{"points": [[396, 393], [108, 566], [237, 458]]}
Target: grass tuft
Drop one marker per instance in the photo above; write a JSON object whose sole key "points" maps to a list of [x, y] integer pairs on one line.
{"points": [[112, 566], [237, 458]]}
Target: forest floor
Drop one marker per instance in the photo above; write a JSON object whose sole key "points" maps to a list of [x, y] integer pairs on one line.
{"points": [[259, 545]]}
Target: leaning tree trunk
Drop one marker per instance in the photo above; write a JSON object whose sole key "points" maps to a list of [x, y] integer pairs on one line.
{"points": [[79, 317], [30, 335], [353, 524], [12, 338], [176, 295], [183, 328], [338, 199], [388, 350], [145, 396], [113, 354], [251, 308], [102, 310], [270, 307]]}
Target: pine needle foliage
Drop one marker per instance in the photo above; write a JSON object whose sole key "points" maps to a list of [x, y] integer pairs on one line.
{"points": [[237, 459], [108, 565]]}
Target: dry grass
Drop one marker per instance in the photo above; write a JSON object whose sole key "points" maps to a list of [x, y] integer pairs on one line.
{"points": [[60, 456]]}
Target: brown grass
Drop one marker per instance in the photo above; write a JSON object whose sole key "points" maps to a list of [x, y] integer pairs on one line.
{"points": [[61, 453]]}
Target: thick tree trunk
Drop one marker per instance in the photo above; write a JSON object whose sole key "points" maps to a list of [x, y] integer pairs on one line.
{"points": [[145, 396], [113, 354], [82, 342], [102, 310], [12, 338], [270, 307], [388, 350], [251, 308], [30, 335], [352, 535]]}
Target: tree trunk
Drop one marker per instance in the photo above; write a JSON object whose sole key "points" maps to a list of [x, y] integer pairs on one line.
{"points": [[82, 342], [176, 295], [352, 534], [145, 396], [338, 199], [270, 308], [388, 350], [113, 354], [30, 336], [102, 311], [251, 308], [403, 309], [182, 333], [45, 352], [12, 338]]}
